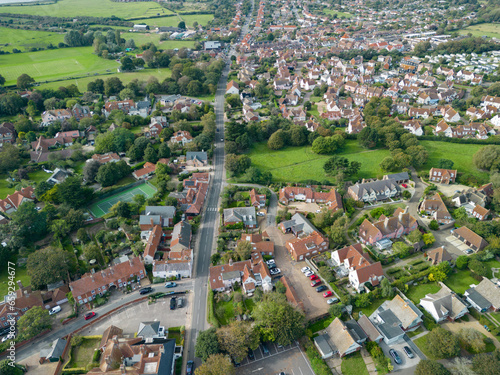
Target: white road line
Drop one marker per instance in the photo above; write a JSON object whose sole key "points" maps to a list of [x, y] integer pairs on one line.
{"points": [[301, 371], [268, 356], [305, 359]]}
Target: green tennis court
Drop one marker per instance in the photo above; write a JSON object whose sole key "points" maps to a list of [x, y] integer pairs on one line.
{"points": [[102, 207]]}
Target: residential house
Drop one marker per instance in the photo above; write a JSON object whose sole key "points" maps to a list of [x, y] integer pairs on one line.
{"points": [[181, 237], [257, 200], [291, 194], [307, 245], [361, 268], [414, 127], [247, 274], [471, 239], [12, 202], [232, 88], [291, 294], [474, 202], [442, 176], [44, 144], [157, 215], [444, 305], [436, 208], [145, 172], [387, 227], [245, 215], [155, 236], [298, 225], [400, 178], [484, 296], [340, 338], [51, 116], [192, 197], [97, 283], [110, 157], [54, 353], [181, 137], [374, 190], [8, 133], [370, 329], [439, 255], [179, 264], [150, 330], [196, 159], [81, 111]]}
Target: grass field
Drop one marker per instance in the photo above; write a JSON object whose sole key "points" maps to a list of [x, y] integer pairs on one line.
{"points": [[54, 64], [21, 274], [96, 8], [488, 29], [294, 164], [101, 208], [26, 39], [143, 38], [81, 355], [421, 342], [353, 364], [460, 281], [461, 154], [339, 14], [415, 293], [141, 75], [189, 19], [4, 187]]}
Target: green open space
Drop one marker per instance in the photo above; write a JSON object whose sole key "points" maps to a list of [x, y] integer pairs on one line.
{"points": [[353, 364], [143, 38], [82, 354], [483, 29], [141, 75], [21, 274], [54, 64], [421, 342], [460, 154], [339, 14], [91, 8], [224, 311], [173, 21], [417, 292], [39, 176], [295, 164], [26, 39], [4, 187], [102, 207], [460, 281]]}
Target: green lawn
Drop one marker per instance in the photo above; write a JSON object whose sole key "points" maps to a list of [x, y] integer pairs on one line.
{"points": [[143, 38], [339, 14], [249, 304], [294, 164], [224, 311], [492, 264], [321, 324], [488, 29], [370, 309], [202, 19], [460, 154], [353, 364], [54, 64], [415, 293], [21, 274], [94, 8], [81, 355], [26, 39], [39, 176], [4, 187], [460, 281], [141, 75], [421, 342]]}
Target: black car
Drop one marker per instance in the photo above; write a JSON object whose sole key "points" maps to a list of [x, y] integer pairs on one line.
{"points": [[321, 288], [264, 348], [408, 352], [146, 290], [396, 356], [190, 368], [251, 356], [173, 303]]}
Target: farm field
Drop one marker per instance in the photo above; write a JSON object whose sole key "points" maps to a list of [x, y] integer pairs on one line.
{"points": [[461, 154], [173, 21], [296, 164], [143, 38], [54, 64], [93, 8], [141, 75], [26, 39], [488, 29]]}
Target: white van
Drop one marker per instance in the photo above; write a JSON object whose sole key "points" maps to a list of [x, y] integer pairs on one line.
{"points": [[54, 310]]}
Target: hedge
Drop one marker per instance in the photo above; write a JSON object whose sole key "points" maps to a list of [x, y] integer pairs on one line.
{"points": [[489, 141], [211, 313], [318, 365]]}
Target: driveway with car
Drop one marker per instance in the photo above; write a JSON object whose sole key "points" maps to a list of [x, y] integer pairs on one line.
{"points": [[406, 361]]}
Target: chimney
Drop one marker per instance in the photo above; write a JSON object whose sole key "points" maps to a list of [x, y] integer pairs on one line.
{"points": [[115, 339], [123, 369], [92, 277], [20, 284], [108, 360], [230, 261], [386, 222], [143, 348], [400, 216], [130, 262]]}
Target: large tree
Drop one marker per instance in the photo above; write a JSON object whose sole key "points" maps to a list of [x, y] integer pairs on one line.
{"points": [[278, 320], [10, 158], [34, 321], [216, 364], [487, 157], [244, 250], [443, 343], [427, 367], [72, 192], [236, 338], [90, 170], [46, 266], [28, 224], [119, 140], [24, 81], [207, 344], [486, 364]]}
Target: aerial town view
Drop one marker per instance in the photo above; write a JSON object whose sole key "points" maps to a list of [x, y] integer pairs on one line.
{"points": [[249, 187]]}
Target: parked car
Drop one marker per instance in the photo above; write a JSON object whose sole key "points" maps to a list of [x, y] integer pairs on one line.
{"points": [[313, 277], [146, 290], [487, 328], [54, 310], [251, 356], [173, 303], [89, 315], [170, 284], [396, 356], [327, 294], [190, 368], [305, 269], [270, 261], [315, 282], [261, 214], [274, 271], [333, 300], [180, 302], [408, 352], [308, 273], [321, 288], [404, 185], [264, 348]]}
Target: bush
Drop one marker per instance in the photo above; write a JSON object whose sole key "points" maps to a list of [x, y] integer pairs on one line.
{"points": [[318, 365], [96, 356], [433, 225], [76, 340]]}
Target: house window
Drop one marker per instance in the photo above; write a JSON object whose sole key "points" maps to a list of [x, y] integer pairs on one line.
{"points": [[79, 297], [25, 309], [2, 318], [6, 324], [99, 289]]}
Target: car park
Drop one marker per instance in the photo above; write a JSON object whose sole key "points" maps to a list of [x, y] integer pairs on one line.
{"points": [[313, 277], [89, 315], [321, 288], [305, 269], [173, 303], [315, 282], [327, 294], [394, 354], [170, 284], [271, 261], [408, 352], [146, 290], [333, 300], [190, 368]]}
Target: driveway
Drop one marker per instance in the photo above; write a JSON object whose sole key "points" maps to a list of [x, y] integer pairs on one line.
{"points": [[457, 244], [303, 207], [406, 362]]}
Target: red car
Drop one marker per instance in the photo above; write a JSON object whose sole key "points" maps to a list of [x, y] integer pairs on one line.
{"points": [[313, 277], [316, 282], [404, 185], [89, 315], [327, 294]]}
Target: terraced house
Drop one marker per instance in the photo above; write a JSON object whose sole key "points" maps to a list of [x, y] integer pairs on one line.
{"points": [[372, 191]]}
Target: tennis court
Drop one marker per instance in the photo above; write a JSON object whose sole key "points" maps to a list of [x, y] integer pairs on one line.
{"points": [[102, 207]]}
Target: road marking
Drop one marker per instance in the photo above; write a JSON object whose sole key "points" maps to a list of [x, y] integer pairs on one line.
{"points": [[301, 371], [271, 355], [258, 369]]}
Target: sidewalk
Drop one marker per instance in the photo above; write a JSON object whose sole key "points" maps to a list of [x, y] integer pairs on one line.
{"points": [[370, 365]]}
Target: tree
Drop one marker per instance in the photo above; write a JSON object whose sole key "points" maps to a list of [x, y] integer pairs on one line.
{"points": [[60, 228], [278, 320], [437, 275], [386, 288], [415, 236], [368, 137], [34, 321], [236, 338], [121, 209], [280, 287], [49, 265], [90, 170], [72, 192], [277, 140], [445, 164], [244, 249], [113, 86], [388, 164], [7, 369], [10, 158], [119, 140], [485, 364], [433, 225], [206, 344], [462, 262], [444, 343], [150, 154], [476, 266], [487, 157], [335, 310], [216, 364], [472, 339], [428, 239], [182, 25], [340, 164], [24, 81], [164, 151], [426, 367], [2, 80], [96, 86], [324, 145], [29, 224]]}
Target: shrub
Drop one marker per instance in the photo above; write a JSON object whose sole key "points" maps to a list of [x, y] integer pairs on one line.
{"points": [[96, 356], [318, 365]]}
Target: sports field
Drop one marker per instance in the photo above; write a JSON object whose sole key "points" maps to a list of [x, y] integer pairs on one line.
{"points": [[54, 64], [93, 8], [102, 207], [26, 39]]}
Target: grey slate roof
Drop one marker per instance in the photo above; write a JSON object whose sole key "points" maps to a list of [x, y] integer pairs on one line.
{"points": [[165, 211], [391, 327], [398, 176], [55, 351], [148, 329], [303, 224], [182, 230], [324, 345], [199, 155], [356, 331], [378, 187], [477, 298], [244, 214]]}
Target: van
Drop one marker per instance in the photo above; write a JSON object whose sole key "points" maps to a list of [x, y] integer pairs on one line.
{"points": [[54, 310]]}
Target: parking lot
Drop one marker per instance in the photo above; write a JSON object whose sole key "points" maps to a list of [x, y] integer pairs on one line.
{"points": [[458, 244], [398, 347], [290, 359]]}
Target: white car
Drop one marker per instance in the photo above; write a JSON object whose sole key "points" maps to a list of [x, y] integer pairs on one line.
{"points": [[274, 271], [305, 269], [332, 300], [270, 261], [309, 273]]}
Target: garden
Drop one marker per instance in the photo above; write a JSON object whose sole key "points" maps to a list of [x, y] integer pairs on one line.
{"points": [[234, 305], [84, 354], [353, 364]]}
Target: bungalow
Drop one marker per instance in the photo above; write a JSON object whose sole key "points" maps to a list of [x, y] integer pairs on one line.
{"points": [[443, 176], [245, 215], [484, 296], [247, 274], [340, 338], [444, 305], [196, 158], [439, 255], [401, 223], [178, 264], [146, 171], [471, 239], [12, 202], [370, 329]]}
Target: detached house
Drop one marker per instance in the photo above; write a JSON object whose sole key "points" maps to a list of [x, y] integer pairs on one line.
{"points": [[13, 201], [247, 274], [7, 134], [439, 255], [257, 200], [442, 176], [436, 208], [361, 268], [444, 305], [401, 223], [484, 296], [181, 137], [232, 88], [340, 338], [245, 215]]}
